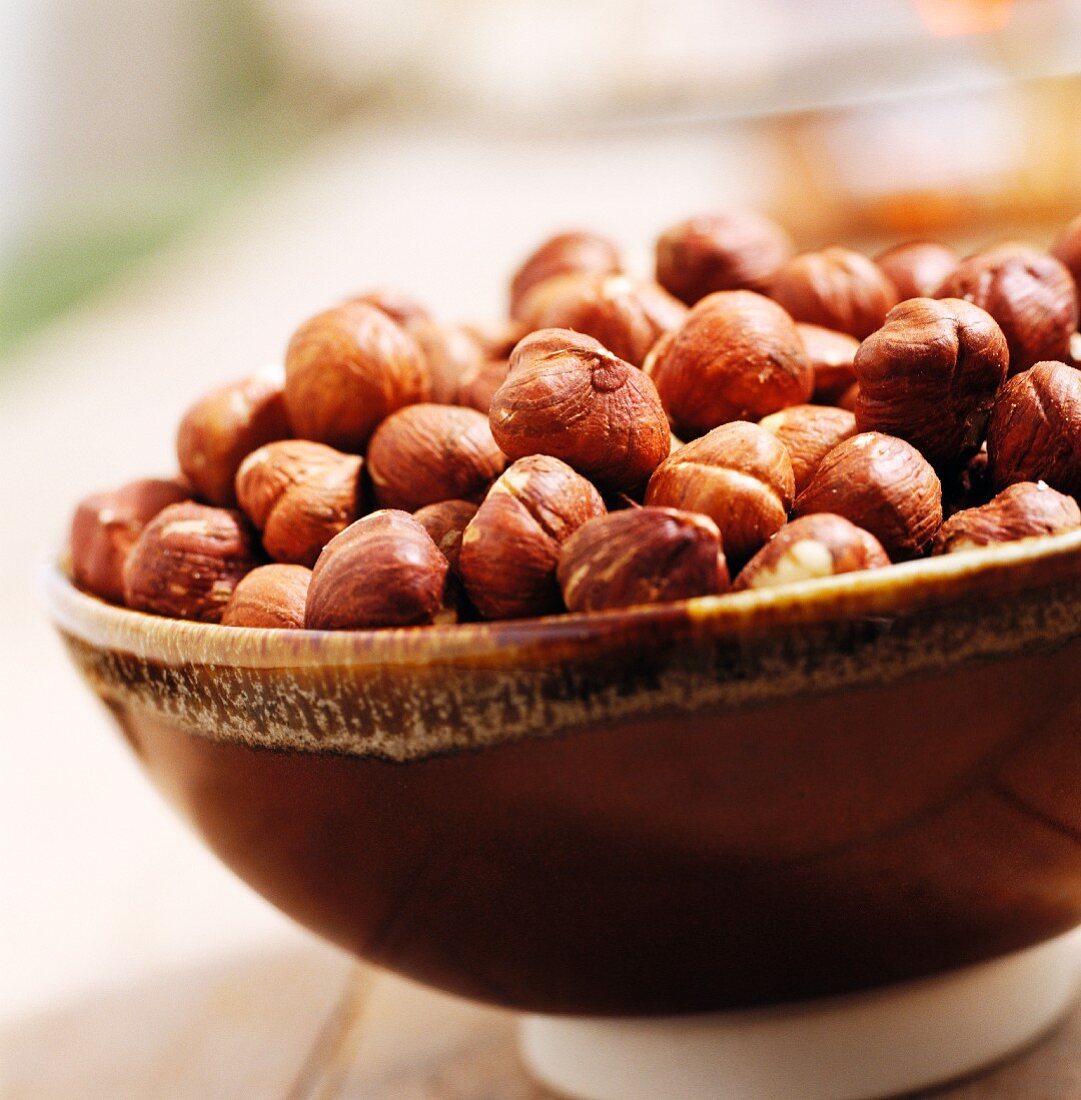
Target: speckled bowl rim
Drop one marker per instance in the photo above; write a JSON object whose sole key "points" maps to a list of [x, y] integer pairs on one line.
{"points": [[896, 590]]}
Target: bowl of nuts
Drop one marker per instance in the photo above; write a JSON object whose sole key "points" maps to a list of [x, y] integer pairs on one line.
{"points": [[448, 644]]}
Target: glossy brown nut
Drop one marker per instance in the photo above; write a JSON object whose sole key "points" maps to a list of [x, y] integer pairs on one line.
{"points": [[299, 494], [1067, 248], [402, 309], [737, 250], [1029, 293], [737, 356], [627, 316], [478, 385], [835, 288], [346, 370], [820, 545], [450, 353], [917, 268], [187, 561], [1020, 511], [929, 376], [739, 475], [559, 255], [831, 355], [1034, 433], [568, 396], [383, 570], [271, 597], [446, 523], [105, 527], [423, 454], [510, 548], [224, 426], [883, 485], [641, 555], [809, 432]]}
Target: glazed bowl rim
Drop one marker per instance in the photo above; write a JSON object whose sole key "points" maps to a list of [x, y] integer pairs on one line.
{"points": [[894, 590]]}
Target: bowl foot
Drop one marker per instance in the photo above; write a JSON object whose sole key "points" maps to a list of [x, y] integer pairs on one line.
{"points": [[869, 1045]]}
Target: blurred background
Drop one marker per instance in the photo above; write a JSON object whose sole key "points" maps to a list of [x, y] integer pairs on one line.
{"points": [[183, 181]]}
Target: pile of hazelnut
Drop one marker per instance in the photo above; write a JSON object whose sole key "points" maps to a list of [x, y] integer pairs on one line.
{"points": [[750, 418]]}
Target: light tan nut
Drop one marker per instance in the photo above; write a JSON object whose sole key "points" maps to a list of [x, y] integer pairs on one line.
{"points": [[809, 432], [270, 597]]}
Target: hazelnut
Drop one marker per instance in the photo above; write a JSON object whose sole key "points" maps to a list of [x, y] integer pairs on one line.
{"points": [[346, 370], [383, 570], [510, 548], [300, 495], [836, 288], [850, 398], [568, 396], [423, 454], [496, 341], [566, 252], [737, 250], [929, 375], [820, 545], [642, 555], [402, 309], [1021, 510], [831, 355], [917, 268], [883, 485], [271, 596], [1029, 293], [224, 426], [1034, 433], [187, 561], [446, 523], [627, 316], [105, 527], [739, 475], [809, 433], [1067, 248], [737, 356], [478, 385], [450, 353]]}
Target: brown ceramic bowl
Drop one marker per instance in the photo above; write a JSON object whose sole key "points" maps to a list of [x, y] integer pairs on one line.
{"points": [[724, 802]]}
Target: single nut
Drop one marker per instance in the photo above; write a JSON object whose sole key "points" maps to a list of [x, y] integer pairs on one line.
{"points": [[809, 432], [383, 570], [739, 475], [1029, 293], [1020, 511], [478, 385], [105, 527], [883, 485], [446, 523], [559, 255], [737, 250], [641, 555], [423, 454], [450, 352], [929, 375], [224, 426], [627, 316], [917, 268], [737, 356], [836, 288], [1067, 248], [821, 545], [346, 370], [568, 396], [831, 355], [402, 309], [300, 495], [510, 548], [1034, 433], [271, 596], [187, 561]]}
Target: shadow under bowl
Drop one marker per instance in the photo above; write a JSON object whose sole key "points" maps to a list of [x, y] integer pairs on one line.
{"points": [[725, 802]]}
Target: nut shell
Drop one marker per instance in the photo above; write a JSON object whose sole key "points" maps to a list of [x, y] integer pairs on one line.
{"points": [[423, 454], [576, 250], [450, 353], [641, 555], [739, 475], [883, 485], [569, 397], [1020, 511], [187, 561], [929, 376], [383, 570], [446, 522], [511, 547], [809, 433], [270, 597], [831, 354], [737, 356], [917, 268], [300, 495]]}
